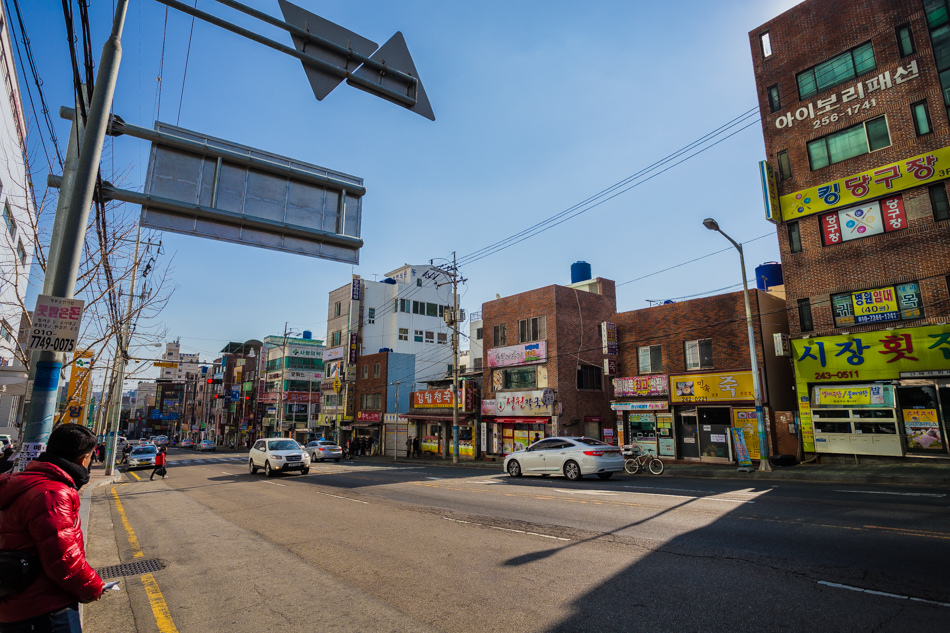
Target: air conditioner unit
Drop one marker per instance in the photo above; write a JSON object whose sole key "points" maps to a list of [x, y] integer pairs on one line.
{"points": [[783, 344]]}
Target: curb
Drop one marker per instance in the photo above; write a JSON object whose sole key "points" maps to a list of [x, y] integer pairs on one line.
{"points": [[84, 501]]}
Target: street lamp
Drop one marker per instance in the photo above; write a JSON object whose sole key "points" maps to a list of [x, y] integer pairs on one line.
{"points": [[764, 465]]}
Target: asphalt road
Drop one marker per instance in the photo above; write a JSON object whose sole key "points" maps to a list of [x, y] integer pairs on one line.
{"points": [[380, 547]]}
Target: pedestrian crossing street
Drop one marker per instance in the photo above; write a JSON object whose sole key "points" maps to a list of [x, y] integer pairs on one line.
{"points": [[206, 460]]}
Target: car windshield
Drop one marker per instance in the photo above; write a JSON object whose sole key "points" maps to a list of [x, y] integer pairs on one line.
{"points": [[283, 445], [144, 450], [590, 441]]}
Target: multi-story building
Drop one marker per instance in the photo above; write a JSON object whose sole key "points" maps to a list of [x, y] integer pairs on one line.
{"points": [[383, 390], [16, 235], [292, 383], [854, 113], [186, 363], [544, 370]]}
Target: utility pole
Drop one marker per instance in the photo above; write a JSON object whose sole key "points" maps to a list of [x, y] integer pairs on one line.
{"points": [[455, 361], [396, 429], [75, 219], [280, 389]]}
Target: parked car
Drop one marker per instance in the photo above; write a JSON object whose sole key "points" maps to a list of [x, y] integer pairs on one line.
{"points": [[186, 443], [143, 456], [278, 455], [160, 440], [207, 445], [322, 450], [573, 457]]}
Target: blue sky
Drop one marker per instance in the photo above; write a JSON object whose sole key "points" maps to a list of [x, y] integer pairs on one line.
{"points": [[539, 105]]}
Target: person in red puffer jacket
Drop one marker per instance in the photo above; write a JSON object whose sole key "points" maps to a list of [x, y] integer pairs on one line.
{"points": [[39, 513]]}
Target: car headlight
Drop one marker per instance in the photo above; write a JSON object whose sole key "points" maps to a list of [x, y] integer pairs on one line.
{"points": [[276, 457]]}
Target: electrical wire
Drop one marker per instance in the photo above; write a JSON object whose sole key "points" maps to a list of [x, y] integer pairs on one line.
{"points": [[181, 98]]}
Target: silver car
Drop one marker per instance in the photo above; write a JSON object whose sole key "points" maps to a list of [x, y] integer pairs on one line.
{"points": [[278, 455], [573, 457], [143, 456], [321, 450]]}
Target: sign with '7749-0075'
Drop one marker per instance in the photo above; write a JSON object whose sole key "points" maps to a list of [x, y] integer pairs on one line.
{"points": [[55, 325]]}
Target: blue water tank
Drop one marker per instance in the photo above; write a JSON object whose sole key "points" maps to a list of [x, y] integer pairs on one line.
{"points": [[385, 350], [768, 275], [580, 271], [389, 280], [307, 334]]}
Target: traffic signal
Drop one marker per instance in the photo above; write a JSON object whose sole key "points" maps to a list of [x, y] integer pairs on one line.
{"points": [[210, 381]]}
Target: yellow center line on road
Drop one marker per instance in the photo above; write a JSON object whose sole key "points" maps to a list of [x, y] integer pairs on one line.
{"points": [[135, 475], [159, 607], [129, 532]]}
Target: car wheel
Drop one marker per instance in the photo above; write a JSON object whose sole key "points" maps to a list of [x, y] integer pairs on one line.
{"points": [[268, 470], [514, 468], [605, 475], [251, 467], [572, 471], [305, 471]]}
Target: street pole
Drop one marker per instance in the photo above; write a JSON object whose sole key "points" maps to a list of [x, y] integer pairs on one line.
{"points": [[62, 274], [764, 464], [280, 389], [455, 361]]}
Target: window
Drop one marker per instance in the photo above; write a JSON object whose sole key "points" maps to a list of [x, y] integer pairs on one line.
{"points": [[938, 198], [836, 71], [589, 377], [498, 336], [432, 309], [794, 238], [417, 336], [8, 219], [336, 309], [418, 308], [650, 359], [430, 337], [804, 315], [5, 333], [775, 104], [478, 334], [519, 378], [699, 354], [365, 371], [371, 401], [531, 330], [419, 283], [22, 252], [404, 305], [442, 338], [905, 40], [337, 338], [442, 311], [784, 165], [376, 370], [921, 118], [403, 334], [477, 363], [766, 43], [371, 315], [854, 141]]}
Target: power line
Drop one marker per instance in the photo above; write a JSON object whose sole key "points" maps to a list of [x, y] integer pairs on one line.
{"points": [[181, 98]]}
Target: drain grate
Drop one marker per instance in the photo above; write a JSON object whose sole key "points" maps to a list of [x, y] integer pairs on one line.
{"points": [[131, 569]]}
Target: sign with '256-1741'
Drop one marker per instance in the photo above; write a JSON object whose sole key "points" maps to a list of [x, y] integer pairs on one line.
{"points": [[55, 325]]}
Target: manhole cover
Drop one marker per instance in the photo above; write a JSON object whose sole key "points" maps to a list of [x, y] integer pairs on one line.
{"points": [[131, 569]]}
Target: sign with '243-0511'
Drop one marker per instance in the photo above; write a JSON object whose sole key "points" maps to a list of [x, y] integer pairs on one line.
{"points": [[55, 324]]}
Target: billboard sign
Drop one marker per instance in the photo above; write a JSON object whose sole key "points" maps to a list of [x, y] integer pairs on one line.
{"points": [[651, 385], [524, 354], [877, 305], [853, 223], [718, 387], [608, 334]]}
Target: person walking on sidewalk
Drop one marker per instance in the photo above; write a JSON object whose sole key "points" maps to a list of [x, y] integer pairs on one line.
{"points": [[416, 448], [408, 447], [39, 514], [160, 464]]}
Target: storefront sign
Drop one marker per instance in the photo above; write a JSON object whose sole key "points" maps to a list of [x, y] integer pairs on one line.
{"points": [[717, 387], [334, 354], [311, 376], [302, 396], [653, 385], [769, 191], [868, 185], [610, 366], [518, 354], [301, 351], [353, 339], [432, 399], [489, 407], [852, 395], [356, 285], [528, 403], [648, 405], [870, 219], [369, 416], [608, 334], [877, 305]]}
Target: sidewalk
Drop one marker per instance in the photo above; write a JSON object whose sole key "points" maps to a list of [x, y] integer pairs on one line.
{"points": [[97, 478], [911, 473]]}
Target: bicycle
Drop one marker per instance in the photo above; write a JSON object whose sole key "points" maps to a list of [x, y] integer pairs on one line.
{"points": [[642, 461]]}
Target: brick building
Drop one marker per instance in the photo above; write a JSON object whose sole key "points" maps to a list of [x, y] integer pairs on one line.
{"points": [[857, 141], [544, 364], [684, 377]]}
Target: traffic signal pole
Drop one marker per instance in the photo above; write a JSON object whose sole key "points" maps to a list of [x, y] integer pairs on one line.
{"points": [[62, 274]]}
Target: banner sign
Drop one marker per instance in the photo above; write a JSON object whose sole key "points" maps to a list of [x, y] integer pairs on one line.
{"points": [[853, 395], [868, 185], [356, 285], [518, 354], [878, 305], [302, 351], [742, 453], [489, 407], [529, 403], [646, 405], [652, 385], [745, 421], [608, 334], [717, 387], [335, 353], [78, 389], [369, 416], [353, 339], [769, 191], [55, 324], [432, 399], [874, 218]]}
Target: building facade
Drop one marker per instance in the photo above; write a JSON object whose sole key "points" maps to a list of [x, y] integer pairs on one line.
{"points": [[293, 377], [857, 138]]}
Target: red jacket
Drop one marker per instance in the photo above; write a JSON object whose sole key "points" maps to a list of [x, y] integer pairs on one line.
{"points": [[39, 512], [160, 459]]}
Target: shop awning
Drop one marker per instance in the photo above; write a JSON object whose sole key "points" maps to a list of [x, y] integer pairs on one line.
{"points": [[435, 417], [522, 420]]}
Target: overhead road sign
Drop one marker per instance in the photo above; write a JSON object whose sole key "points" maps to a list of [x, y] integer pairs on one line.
{"points": [[165, 364], [331, 54]]}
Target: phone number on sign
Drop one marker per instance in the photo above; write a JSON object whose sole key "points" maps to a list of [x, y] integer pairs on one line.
{"points": [[44, 340], [819, 375]]}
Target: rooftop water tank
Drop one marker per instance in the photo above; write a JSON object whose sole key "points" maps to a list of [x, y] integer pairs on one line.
{"points": [[580, 271], [307, 334], [768, 275]]}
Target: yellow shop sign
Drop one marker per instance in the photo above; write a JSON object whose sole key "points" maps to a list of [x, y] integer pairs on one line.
{"points": [[868, 185], [719, 387]]}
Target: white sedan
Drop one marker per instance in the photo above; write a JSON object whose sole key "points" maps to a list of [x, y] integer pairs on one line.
{"points": [[278, 455], [573, 457]]}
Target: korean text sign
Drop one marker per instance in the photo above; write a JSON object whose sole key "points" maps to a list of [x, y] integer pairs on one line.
{"points": [[718, 387], [55, 326], [873, 218], [518, 354], [652, 385], [868, 185]]}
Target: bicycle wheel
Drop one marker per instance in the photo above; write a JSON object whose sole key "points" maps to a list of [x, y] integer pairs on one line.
{"points": [[656, 466], [632, 466]]}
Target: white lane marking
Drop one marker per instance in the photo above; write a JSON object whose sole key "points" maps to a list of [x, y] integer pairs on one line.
{"points": [[556, 538], [224, 473], [273, 483], [882, 593], [327, 494], [902, 494], [586, 492], [657, 494], [434, 478]]}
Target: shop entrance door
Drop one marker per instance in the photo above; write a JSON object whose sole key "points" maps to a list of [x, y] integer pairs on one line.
{"points": [[714, 424], [687, 437], [924, 413]]}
